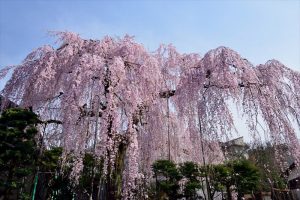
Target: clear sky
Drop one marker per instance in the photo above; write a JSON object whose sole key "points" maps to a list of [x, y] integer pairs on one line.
{"points": [[259, 29]]}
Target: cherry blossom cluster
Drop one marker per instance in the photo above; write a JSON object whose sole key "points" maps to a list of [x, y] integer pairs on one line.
{"points": [[163, 104]]}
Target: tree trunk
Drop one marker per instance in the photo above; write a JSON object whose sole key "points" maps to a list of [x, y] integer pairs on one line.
{"points": [[119, 167], [229, 196], [114, 184], [240, 195], [7, 189]]}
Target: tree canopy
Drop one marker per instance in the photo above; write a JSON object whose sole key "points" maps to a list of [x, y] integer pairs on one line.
{"points": [[104, 95]]}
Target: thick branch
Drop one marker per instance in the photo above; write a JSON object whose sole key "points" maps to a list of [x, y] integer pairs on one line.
{"points": [[167, 94]]}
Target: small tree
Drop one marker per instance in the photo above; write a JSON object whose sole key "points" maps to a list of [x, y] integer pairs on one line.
{"points": [[167, 176], [18, 148], [190, 171], [49, 168], [220, 177], [245, 175], [241, 174]]}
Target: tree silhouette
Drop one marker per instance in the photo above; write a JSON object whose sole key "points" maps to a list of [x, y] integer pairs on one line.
{"points": [[18, 148]]}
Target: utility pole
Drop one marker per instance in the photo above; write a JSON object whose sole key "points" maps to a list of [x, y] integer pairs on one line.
{"points": [[203, 159], [202, 149], [167, 94], [168, 129]]}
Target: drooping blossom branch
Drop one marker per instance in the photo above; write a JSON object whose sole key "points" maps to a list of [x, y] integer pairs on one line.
{"points": [[111, 93]]}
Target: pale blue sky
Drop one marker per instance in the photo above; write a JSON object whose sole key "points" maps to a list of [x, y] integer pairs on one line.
{"points": [[258, 30]]}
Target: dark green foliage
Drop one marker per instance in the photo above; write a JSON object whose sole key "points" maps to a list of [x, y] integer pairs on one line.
{"points": [[246, 176], [49, 161], [21, 159], [18, 148], [61, 187], [49, 167], [240, 173], [167, 176], [220, 178], [85, 178], [190, 171], [167, 169], [21, 162], [243, 174], [191, 188]]}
